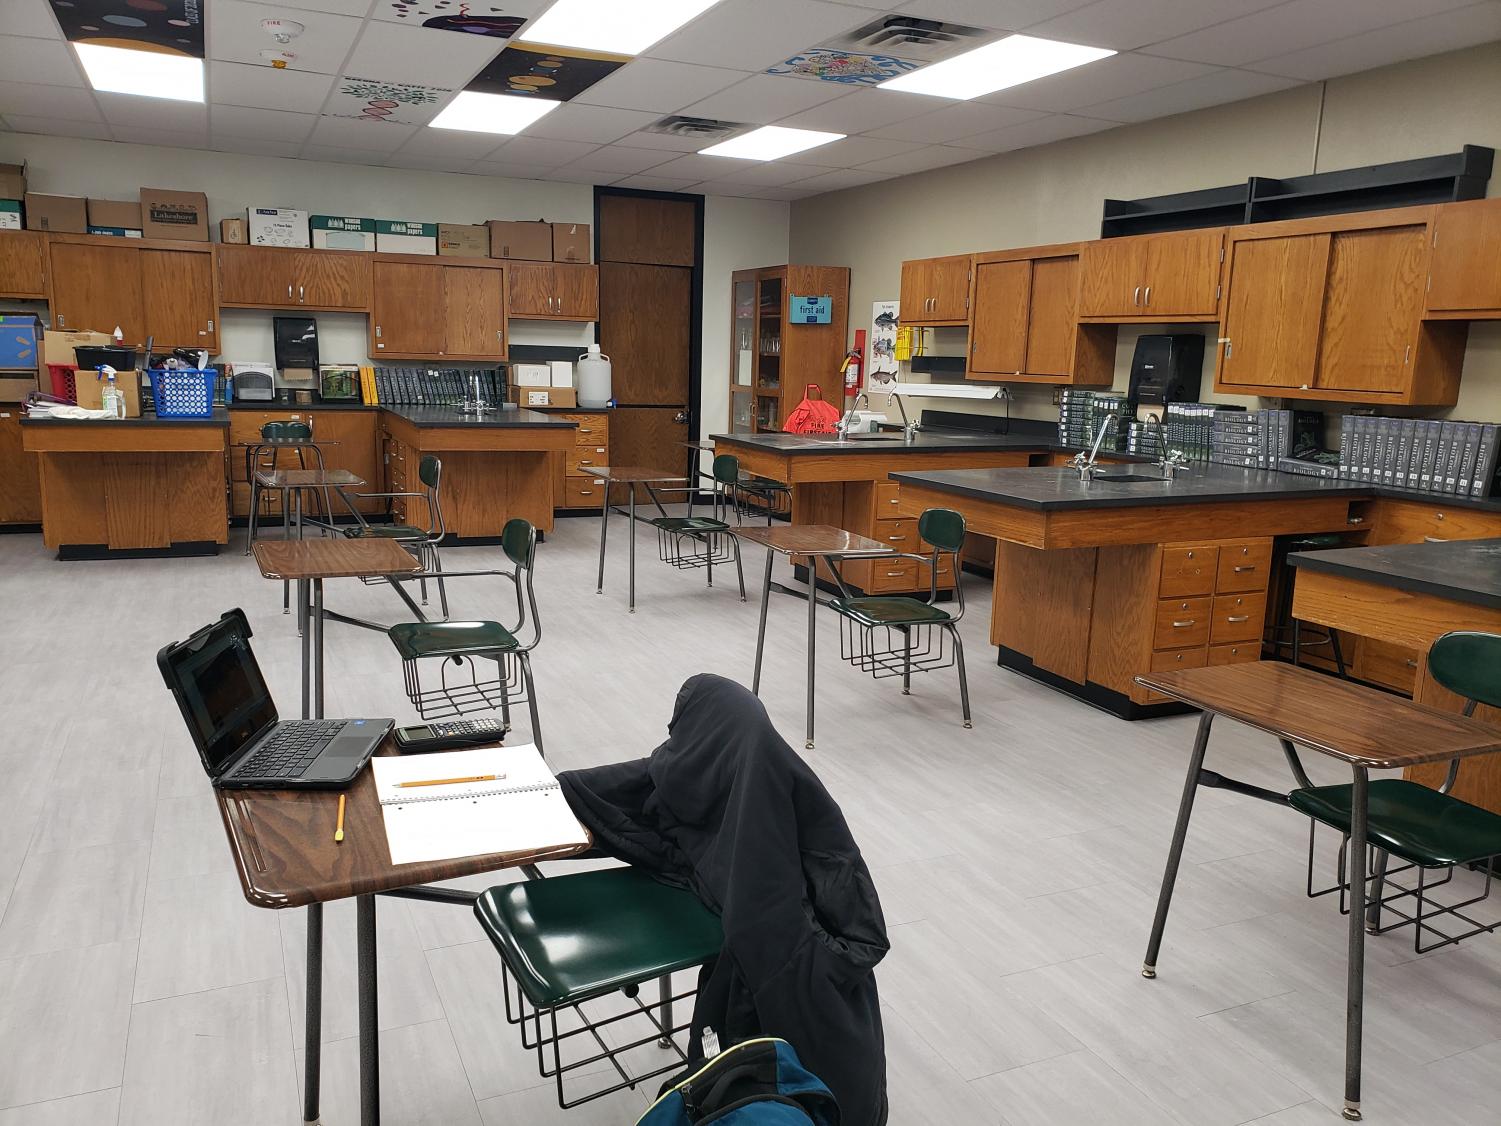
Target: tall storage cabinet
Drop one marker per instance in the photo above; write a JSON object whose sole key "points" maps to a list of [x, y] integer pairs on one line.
{"points": [[773, 359]]}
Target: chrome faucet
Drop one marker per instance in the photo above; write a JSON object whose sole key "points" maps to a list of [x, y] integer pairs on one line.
{"points": [[1086, 465], [842, 427], [909, 428], [1170, 461]]}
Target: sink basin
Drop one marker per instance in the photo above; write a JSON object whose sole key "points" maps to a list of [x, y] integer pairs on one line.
{"points": [[1130, 478], [854, 439]]}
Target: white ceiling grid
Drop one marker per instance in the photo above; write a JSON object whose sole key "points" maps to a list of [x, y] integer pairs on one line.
{"points": [[1176, 55]]}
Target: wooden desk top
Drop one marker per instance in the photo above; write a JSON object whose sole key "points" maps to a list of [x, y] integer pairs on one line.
{"points": [[1351, 722], [696, 444], [812, 539], [284, 849], [308, 478], [632, 473], [333, 558]]}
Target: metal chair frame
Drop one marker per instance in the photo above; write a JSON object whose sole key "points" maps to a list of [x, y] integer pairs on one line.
{"points": [[425, 548], [691, 549], [255, 465], [512, 682]]}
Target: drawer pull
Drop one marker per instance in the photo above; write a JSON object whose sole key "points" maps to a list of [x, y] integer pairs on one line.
{"points": [[1434, 539], [893, 574], [586, 492], [1238, 618], [1185, 623], [896, 539], [1244, 567]]}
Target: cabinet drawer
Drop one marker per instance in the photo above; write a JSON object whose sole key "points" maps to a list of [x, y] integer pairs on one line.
{"points": [[1392, 666], [593, 429], [886, 499], [1165, 659], [1187, 570], [896, 574], [1238, 617], [584, 457], [899, 534], [583, 492], [1244, 566], [1417, 523], [1181, 622], [1235, 654]]}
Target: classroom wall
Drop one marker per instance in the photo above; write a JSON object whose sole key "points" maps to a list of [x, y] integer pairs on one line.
{"points": [[737, 232], [1054, 193]]}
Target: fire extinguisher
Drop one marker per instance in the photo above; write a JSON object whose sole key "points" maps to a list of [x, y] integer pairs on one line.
{"points": [[851, 370]]}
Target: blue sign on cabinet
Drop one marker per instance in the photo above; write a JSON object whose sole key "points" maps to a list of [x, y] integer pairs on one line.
{"points": [[810, 310]]}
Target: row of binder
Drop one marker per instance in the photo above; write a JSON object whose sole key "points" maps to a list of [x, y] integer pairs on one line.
{"points": [[430, 387], [1428, 455]]}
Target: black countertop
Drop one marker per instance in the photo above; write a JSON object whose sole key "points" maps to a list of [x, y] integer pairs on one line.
{"points": [[1059, 488], [220, 418], [927, 441], [1463, 570], [277, 405], [453, 418]]}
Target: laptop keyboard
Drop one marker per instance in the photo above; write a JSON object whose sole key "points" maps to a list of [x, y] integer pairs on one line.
{"points": [[290, 749]]}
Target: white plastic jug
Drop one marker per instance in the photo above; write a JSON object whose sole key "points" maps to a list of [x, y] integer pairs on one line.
{"points": [[594, 378]]}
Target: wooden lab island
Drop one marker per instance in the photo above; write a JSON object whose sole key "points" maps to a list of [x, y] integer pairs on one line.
{"points": [[138, 485]]}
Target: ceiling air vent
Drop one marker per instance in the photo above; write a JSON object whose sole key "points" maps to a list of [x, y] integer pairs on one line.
{"points": [[910, 37], [698, 128]]}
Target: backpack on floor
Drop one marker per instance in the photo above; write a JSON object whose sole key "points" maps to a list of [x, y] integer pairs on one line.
{"points": [[754, 1083]]}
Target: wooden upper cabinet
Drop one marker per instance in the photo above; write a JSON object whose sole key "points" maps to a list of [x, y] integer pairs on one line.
{"points": [[1051, 329], [1372, 307], [1273, 310], [559, 291], [96, 287], [22, 264], [1003, 306], [177, 297], [407, 314], [473, 312], [1171, 276], [1464, 277], [280, 278], [936, 290], [1025, 326]]}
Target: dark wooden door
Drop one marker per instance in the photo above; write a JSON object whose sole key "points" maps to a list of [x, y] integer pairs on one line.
{"points": [[649, 436], [646, 230], [644, 329]]}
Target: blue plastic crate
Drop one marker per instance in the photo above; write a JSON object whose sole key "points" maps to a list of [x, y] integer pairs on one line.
{"points": [[183, 392]]}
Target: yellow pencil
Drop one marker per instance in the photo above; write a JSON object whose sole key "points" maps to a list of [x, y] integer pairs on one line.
{"points": [[339, 828], [453, 781]]}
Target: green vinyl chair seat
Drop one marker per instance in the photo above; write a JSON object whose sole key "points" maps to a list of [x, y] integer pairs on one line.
{"points": [[889, 611], [569, 938], [1414, 822], [386, 531], [449, 639], [687, 524]]}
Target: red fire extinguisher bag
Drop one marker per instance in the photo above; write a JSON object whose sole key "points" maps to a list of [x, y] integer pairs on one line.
{"points": [[813, 415]]}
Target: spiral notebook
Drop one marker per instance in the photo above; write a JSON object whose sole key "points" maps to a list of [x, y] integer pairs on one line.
{"points": [[521, 810]]}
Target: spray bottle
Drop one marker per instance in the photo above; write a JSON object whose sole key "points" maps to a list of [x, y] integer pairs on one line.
{"points": [[111, 398]]}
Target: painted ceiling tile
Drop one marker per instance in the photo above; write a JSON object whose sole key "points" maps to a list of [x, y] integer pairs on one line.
{"points": [[497, 21], [174, 26], [371, 99], [554, 73], [825, 65]]}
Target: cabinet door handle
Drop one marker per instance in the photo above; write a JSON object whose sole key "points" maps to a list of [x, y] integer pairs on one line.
{"points": [[1243, 568], [377, 332], [1406, 355], [1434, 539], [289, 291], [61, 320], [211, 324], [1136, 296], [1185, 623], [1146, 298], [1238, 618], [300, 297]]}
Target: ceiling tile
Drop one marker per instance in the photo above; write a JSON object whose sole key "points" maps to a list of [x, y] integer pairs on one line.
{"points": [[427, 162], [442, 13], [654, 183], [262, 87], [619, 158], [841, 178], [933, 156], [418, 54], [753, 36], [350, 133], [1010, 15], [954, 121], [452, 143], [765, 174], [694, 167], [1127, 24], [57, 127], [595, 124], [49, 62], [262, 124], [764, 98], [1104, 80], [575, 175], [362, 98], [235, 35], [1197, 93], [864, 109], [35, 100], [1414, 39], [31, 18], [153, 113], [541, 150], [166, 138], [1058, 127], [666, 141], [515, 170], [1294, 26], [658, 85], [337, 7], [339, 155], [255, 146], [852, 151], [777, 193]]}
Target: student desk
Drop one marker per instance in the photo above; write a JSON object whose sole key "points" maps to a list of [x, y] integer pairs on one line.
{"points": [[285, 855], [630, 476], [1359, 726], [820, 542]]}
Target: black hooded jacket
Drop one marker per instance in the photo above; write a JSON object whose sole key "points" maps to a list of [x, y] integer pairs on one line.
{"points": [[726, 807]]}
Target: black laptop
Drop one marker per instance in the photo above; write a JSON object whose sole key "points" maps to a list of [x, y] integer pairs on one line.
{"points": [[230, 714]]}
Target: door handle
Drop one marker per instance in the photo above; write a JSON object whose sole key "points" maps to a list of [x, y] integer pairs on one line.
{"points": [[1136, 296], [289, 291], [681, 416], [1147, 296], [300, 297], [61, 320], [211, 324]]}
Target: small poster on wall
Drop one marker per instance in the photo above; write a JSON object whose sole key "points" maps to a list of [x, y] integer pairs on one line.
{"points": [[816, 310], [883, 324]]}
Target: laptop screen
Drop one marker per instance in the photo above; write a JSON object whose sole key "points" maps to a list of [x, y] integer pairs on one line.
{"points": [[221, 691]]}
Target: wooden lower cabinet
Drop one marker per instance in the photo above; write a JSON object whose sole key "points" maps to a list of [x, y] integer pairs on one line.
{"points": [[351, 437], [871, 508], [572, 487], [20, 487]]}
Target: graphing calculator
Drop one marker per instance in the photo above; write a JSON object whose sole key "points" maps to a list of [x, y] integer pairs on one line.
{"points": [[450, 736]]}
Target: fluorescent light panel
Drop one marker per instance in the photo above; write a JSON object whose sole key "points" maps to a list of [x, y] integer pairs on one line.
{"points": [[151, 74], [770, 142], [612, 25], [996, 66], [492, 113]]}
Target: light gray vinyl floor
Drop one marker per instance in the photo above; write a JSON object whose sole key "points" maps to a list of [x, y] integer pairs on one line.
{"points": [[1017, 863]]}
